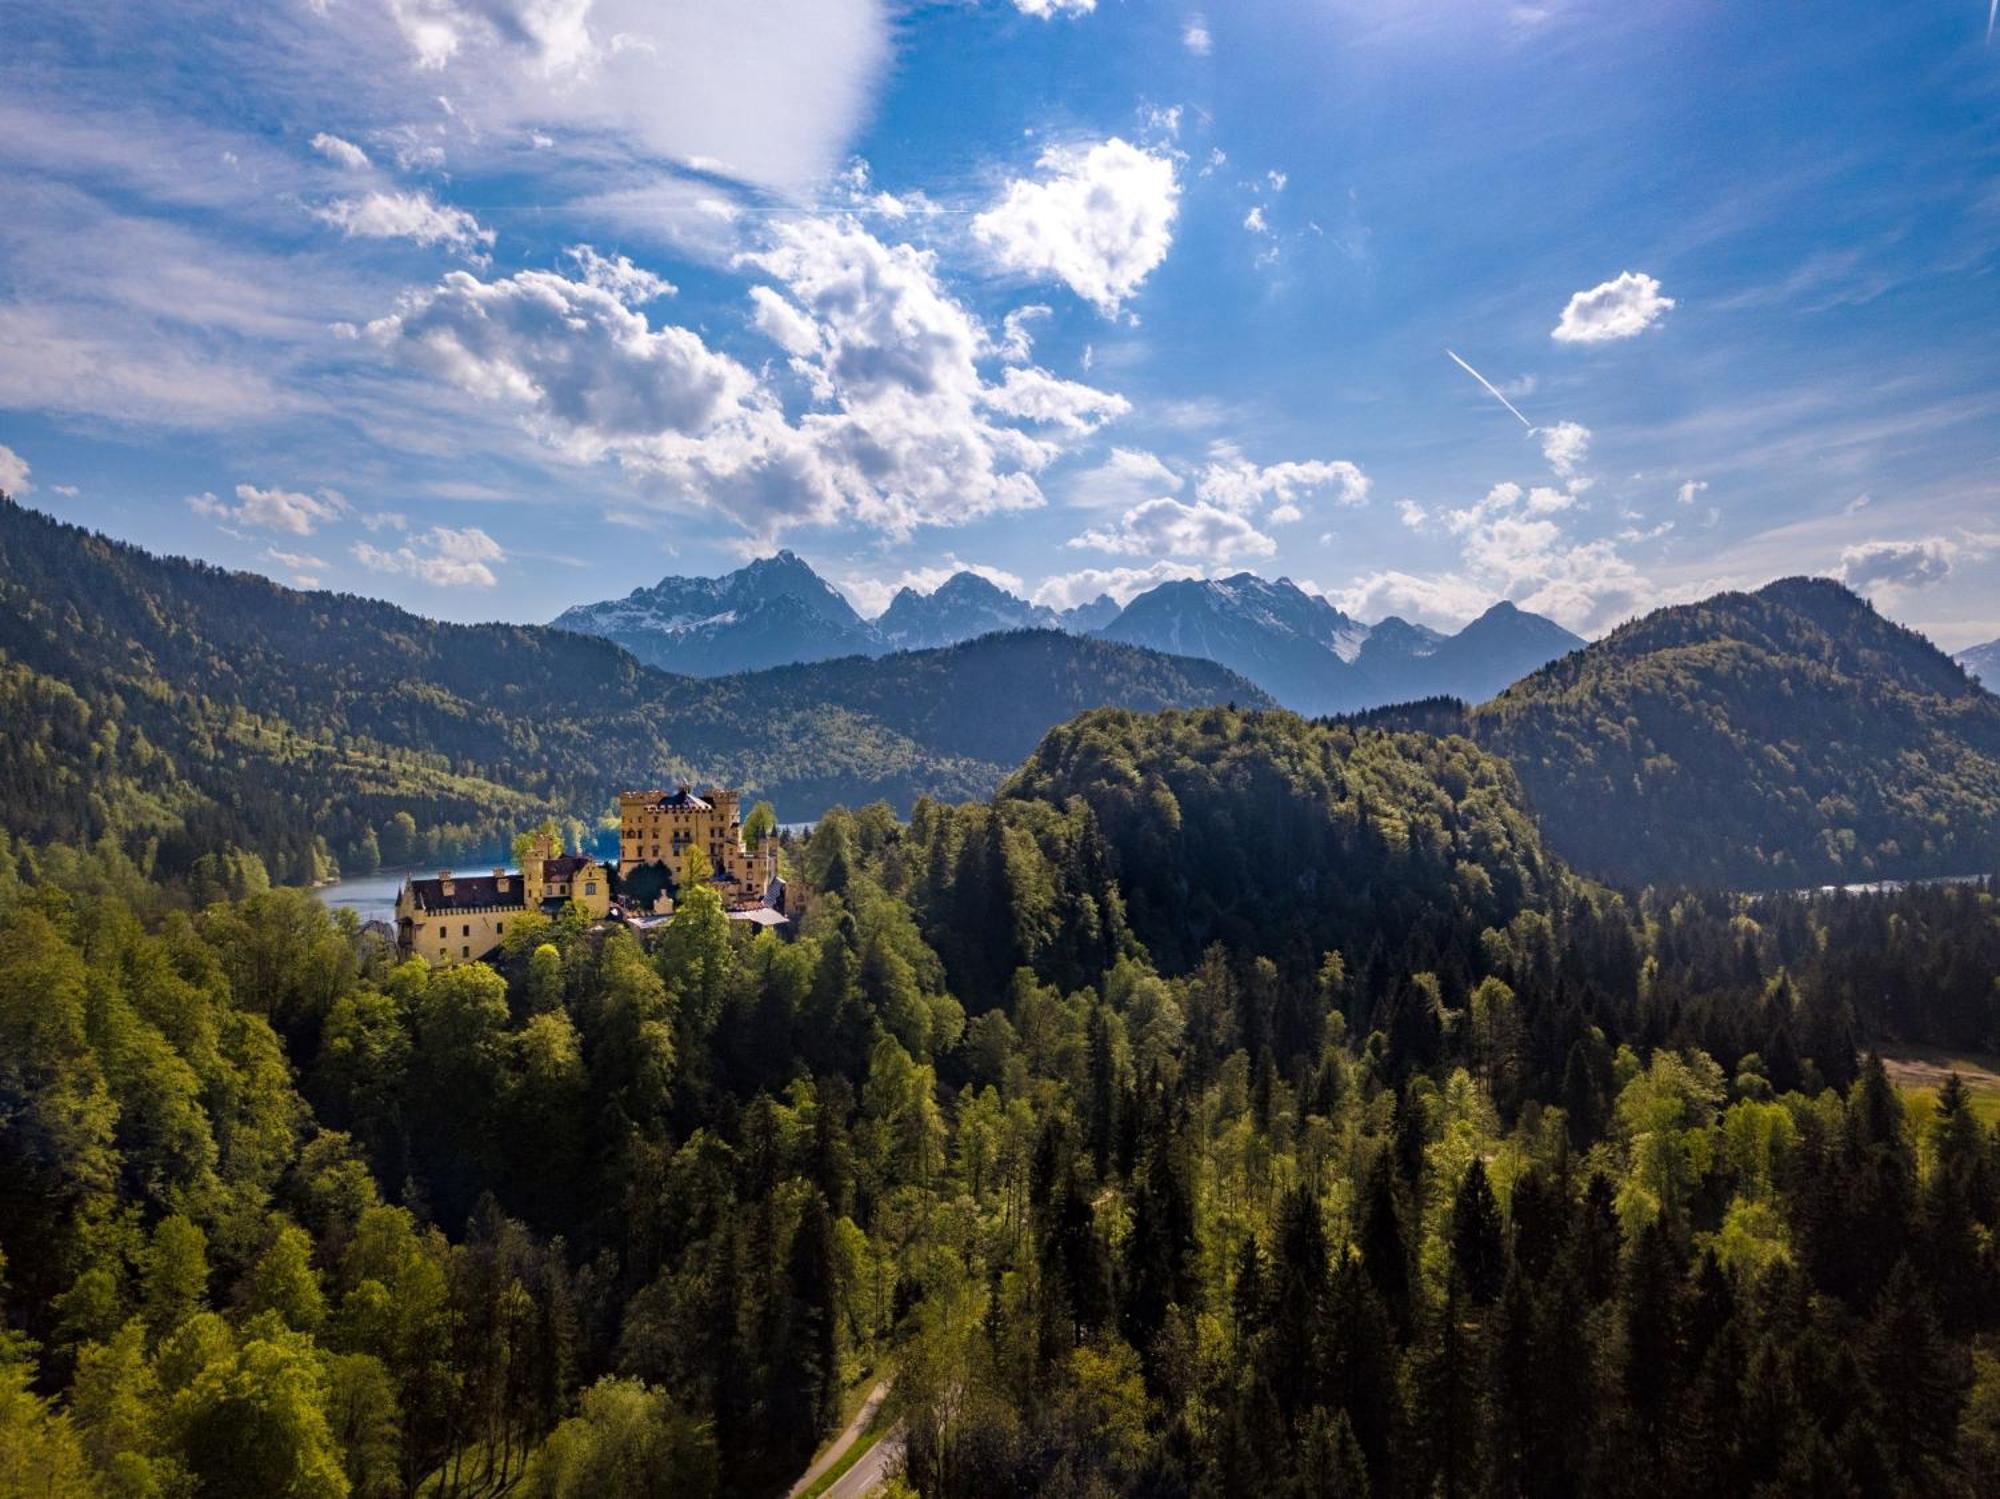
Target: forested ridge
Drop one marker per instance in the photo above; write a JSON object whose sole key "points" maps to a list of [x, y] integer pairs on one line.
{"points": [[188, 712], [1146, 1168], [1777, 738]]}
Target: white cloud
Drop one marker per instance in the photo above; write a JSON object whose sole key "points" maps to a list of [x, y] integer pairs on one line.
{"points": [[1129, 476], [767, 94], [13, 472], [305, 571], [1626, 305], [1100, 220], [340, 152], [782, 323], [1255, 221], [385, 520], [1195, 37], [1566, 445], [444, 556], [633, 285], [588, 367], [1046, 9], [1169, 527], [413, 216], [1233, 482], [1689, 489], [1067, 590], [1447, 600], [1411, 514], [1033, 394], [1017, 344], [1890, 567], [287, 511]]}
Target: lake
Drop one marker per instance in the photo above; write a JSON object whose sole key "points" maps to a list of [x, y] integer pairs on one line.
{"points": [[372, 897]]}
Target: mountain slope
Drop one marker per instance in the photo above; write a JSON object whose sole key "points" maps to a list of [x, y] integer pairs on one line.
{"points": [[184, 709], [1316, 660], [1293, 644], [963, 607], [1785, 737], [772, 612]]}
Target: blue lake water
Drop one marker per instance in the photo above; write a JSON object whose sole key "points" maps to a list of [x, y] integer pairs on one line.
{"points": [[372, 897]]}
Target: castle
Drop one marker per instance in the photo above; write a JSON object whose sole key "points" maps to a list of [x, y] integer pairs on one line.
{"points": [[456, 918]]}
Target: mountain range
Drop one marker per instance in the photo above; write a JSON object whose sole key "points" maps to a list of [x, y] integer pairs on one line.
{"points": [[1295, 645], [182, 709]]}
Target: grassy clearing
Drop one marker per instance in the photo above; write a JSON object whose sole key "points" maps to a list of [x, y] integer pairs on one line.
{"points": [[1919, 1071]]}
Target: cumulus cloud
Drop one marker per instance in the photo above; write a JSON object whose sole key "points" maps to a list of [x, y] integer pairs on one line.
{"points": [[1195, 37], [1890, 566], [1689, 489], [13, 472], [1099, 218], [1035, 395], [590, 369], [413, 216], [1411, 514], [340, 152], [1047, 9], [1233, 482], [901, 431], [1622, 307], [1125, 478], [633, 285], [444, 557], [1446, 599], [1086, 585], [1566, 445], [1169, 527], [286, 511]]}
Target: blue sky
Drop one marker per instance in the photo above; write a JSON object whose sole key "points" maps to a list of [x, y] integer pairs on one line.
{"points": [[495, 306]]}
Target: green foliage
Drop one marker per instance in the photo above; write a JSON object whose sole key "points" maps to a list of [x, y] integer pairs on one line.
{"points": [[1237, 1105]]}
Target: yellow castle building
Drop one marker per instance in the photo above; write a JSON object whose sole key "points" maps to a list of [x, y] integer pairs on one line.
{"points": [[659, 827], [454, 917]]}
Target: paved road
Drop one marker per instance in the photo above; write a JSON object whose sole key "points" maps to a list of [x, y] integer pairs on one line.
{"points": [[868, 1474], [845, 1440]]}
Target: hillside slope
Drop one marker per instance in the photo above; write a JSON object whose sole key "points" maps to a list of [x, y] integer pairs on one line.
{"points": [[184, 709], [1784, 737]]}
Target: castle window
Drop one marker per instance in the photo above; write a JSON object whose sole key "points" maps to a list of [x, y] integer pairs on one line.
{"points": [[468, 929], [499, 927], [467, 951], [591, 888]]}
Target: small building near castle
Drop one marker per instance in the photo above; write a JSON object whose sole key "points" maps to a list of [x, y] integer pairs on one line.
{"points": [[454, 918]]}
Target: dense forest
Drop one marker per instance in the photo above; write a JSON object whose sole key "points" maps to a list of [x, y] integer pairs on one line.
{"points": [[190, 712], [1233, 1105]]}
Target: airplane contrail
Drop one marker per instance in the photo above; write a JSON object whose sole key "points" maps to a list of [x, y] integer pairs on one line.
{"points": [[1494, 392], [1992, 15]]}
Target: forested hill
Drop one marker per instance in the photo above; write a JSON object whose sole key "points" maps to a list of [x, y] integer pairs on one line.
{"points": [[1273, 834], [158, 699], [1779, 738]]}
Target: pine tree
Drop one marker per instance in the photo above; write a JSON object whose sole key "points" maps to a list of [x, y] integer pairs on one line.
{"points": [[1478, 1245]]}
